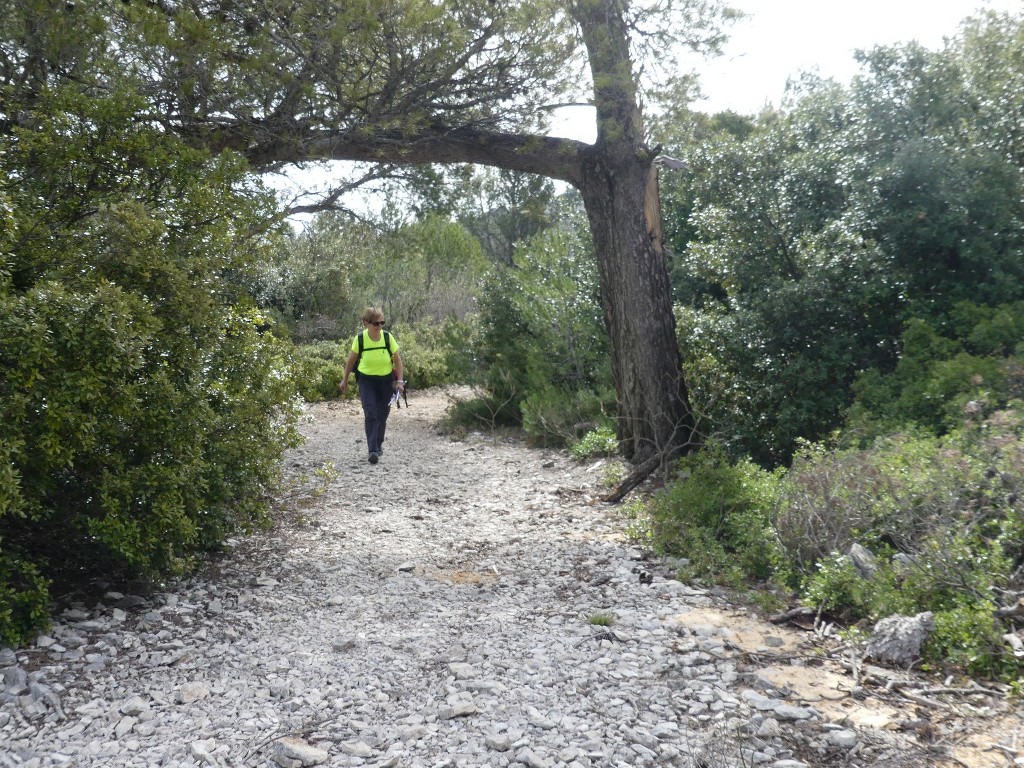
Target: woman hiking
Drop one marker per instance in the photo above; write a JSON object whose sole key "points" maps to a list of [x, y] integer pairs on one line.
{"points": [[379, 373]]}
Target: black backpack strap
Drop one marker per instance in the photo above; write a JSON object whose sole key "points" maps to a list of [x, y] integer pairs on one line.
{"points": [[387, 344], [359, 355]]}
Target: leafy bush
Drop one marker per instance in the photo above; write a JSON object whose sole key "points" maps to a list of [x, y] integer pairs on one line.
{"points": [[943, 519], [440, 353], [943, 377], [719, 516], [601, 441], [942, 516], [556, 417], [24, 600], [837, 586], [543, 340], [969, 637], [884, 497], [319, 368], [484, 411], [145, 406]]}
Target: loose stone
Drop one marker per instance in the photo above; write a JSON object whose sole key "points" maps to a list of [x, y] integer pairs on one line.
{"points": [[438, 617]]}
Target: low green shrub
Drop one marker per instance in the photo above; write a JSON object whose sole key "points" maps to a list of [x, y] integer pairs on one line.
{"points": [[24, 600], [719, 516], [942, 517], [601, 441], [319, 367], [969, 638], [556, 417], [944, 376], [483, 412], [837, 587], [438, 353], [542, 335]]}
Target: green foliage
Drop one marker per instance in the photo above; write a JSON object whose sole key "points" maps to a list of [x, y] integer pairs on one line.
{"points": [[556, 417], [544, 350], [426, 269], [319, 281], [24, 600], [306, 281], [485, 411], [941, 516], [860, 248], [891, 497], [600, 441], [319, 368], [836, 585], [146, 407], [718, 516], [437, 353], [944, 378], [969, 638], [516, 209], [808, 241]]}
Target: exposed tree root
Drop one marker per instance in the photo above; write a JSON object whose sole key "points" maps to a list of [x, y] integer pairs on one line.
{"points": [[640, 473]]}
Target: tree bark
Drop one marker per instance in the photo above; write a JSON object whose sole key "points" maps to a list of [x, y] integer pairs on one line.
{"points": [[620, 192], [654, 417]]}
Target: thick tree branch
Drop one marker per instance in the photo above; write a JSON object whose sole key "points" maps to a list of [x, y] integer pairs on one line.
{"points": [[556, 158]]}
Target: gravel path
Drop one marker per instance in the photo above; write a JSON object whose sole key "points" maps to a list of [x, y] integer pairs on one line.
{"points": [[462, 603]]}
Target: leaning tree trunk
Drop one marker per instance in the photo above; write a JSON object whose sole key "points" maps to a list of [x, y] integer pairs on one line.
{"points": [[655, 423], [620, 192]]}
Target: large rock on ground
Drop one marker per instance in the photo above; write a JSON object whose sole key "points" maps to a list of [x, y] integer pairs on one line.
{"points": [[898, 639]]}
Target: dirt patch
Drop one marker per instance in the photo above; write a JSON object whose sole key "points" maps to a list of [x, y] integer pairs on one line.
{"points": [[458, 576], [980, 732]]}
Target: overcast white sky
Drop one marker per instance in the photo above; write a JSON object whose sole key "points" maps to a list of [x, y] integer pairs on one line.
{"points": [[781, 38]]}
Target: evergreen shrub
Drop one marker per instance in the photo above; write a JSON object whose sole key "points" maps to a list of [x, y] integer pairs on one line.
{"points": [[967, 369], [942, 517], [543, 350], [600, 441], [558, 417], [145, 407], [319, 368], [719, 516]]}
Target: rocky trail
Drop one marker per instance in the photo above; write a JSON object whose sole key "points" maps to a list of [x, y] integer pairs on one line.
{"points": [[463, 603]]}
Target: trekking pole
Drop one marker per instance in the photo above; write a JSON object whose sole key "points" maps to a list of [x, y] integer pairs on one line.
{"points": [[395, 397]]}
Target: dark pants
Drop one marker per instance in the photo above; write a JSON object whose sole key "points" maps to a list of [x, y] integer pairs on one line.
{"points": [[375, 393]]}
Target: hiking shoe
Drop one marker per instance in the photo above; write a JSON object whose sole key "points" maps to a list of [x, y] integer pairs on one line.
{"points": [[374, 456]]}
